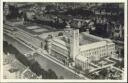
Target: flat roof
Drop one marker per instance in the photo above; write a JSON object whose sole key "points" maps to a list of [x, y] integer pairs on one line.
{"points": [[93, 45], [85, 38]]}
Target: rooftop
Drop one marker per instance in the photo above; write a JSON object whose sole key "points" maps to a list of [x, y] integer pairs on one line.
{"points": [[93, 45], [86, 38], [81, 58]]}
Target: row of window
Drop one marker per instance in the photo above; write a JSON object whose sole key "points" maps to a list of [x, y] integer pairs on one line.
{"points": [[99, 51], [96, 51]]}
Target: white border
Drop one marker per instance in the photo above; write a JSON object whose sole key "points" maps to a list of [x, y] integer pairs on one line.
{"points": [[74, 80], [65, 1]]}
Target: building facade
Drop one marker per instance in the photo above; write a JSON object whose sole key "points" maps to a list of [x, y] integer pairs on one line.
{"points": [[82, 48]]}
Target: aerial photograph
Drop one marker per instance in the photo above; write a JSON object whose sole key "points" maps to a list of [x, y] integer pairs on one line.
{"points": [[63, 40]]}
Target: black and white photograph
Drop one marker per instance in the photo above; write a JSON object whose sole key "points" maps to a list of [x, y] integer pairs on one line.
{"points": [[64, 40]]}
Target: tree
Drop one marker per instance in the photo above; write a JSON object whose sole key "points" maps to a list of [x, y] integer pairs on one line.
{"points": [[35, 67], [13, 12], [103, 73], [11, 49], [60, 34], [51, 74], [44, 74]]}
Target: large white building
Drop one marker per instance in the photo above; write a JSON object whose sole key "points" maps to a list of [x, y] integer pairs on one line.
{"points": [[82, 48]]}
